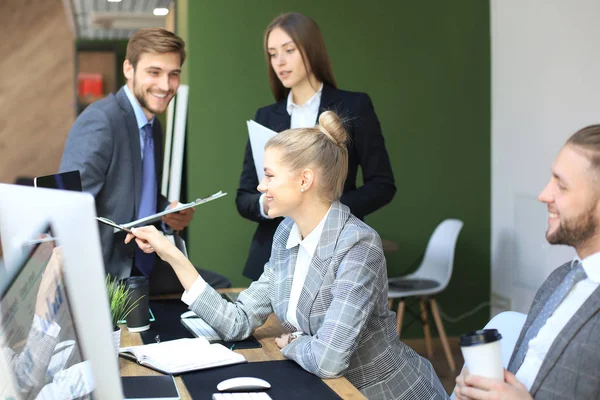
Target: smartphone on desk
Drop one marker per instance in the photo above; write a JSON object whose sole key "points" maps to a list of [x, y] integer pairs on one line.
{"points": [[150, 387]]}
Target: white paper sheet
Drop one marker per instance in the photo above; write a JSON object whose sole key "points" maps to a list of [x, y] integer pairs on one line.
{"points": [[259, 136]]}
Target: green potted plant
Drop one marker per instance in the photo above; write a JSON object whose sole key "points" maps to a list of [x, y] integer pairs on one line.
{"points": [[120, 304]]}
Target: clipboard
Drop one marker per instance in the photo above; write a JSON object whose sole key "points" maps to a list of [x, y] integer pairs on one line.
{"points": [[155, 217]]}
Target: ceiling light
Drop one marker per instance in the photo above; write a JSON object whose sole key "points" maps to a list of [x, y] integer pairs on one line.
{"points": [[114, 1], [161, 11]]}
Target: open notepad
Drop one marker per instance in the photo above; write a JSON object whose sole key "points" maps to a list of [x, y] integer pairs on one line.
{"points": [[182, 355], [155, 217]]}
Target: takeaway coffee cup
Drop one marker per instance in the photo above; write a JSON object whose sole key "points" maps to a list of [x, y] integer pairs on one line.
{"points": [[138, 319], [482, 353]]}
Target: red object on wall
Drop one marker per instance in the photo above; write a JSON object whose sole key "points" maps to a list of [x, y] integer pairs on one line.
{"points": [[89, 85]]}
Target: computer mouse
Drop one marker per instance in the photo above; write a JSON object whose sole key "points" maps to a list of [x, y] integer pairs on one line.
{"points": [[189, 314], [243, 384]]}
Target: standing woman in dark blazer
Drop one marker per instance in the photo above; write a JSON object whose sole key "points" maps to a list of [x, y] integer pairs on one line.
{"points": [[304, 86]]}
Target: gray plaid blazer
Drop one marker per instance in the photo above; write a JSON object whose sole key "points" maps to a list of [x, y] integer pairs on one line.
{"points": [[570, 369], [29, 366], [343, 309]]}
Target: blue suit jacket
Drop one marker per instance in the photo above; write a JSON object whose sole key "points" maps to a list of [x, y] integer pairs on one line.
{"points": [[343, 308]]}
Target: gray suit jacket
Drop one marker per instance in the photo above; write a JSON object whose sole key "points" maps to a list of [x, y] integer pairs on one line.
{"points": [[104, 145], [343, 308], [570, 369]]}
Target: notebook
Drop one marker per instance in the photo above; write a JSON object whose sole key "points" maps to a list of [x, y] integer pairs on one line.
{"points": [[182, 355]]}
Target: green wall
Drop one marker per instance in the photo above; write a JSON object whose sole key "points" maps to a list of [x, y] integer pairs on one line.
{"points": [[426, 65]]}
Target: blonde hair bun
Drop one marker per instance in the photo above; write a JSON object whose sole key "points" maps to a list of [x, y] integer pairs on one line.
{"points": [[332, 126]]}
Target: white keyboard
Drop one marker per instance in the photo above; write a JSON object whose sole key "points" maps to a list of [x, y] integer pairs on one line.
{"points": [[199, 328], [241, 396]]}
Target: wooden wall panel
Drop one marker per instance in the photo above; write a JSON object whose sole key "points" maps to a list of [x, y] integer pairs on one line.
{"points": [[37, 94]]}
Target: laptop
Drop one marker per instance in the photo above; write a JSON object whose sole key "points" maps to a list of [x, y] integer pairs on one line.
{"points": [[70, 180]]}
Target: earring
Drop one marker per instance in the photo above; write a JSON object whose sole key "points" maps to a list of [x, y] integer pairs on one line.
{"points": [[302, 189]]}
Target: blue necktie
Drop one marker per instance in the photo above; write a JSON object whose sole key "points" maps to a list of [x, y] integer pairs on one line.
{"points": [[575, 275], [145, 262]]}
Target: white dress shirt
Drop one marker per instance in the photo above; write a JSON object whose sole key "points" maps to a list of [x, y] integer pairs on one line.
{"points": [[190, 295], [304, 116], [540, 345], [306, 251]]}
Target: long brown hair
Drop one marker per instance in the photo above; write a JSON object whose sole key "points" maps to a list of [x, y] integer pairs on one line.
{"points": [[306, 34]]}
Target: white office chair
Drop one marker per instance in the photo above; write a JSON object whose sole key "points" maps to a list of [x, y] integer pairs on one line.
{"points": [[431, 278], [509, 324]]}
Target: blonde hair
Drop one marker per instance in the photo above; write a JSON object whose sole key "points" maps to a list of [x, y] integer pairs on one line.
{"points": [[156, 41], [322, 147]]}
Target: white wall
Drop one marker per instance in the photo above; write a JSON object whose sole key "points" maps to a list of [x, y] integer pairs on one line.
{"points": [[545, 86]]}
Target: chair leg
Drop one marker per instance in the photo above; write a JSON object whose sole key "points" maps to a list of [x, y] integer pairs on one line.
{"points": [[390, 303], [442, 332], [426, 330], [400, 316]]}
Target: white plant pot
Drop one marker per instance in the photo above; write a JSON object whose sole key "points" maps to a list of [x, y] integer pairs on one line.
{"points": [[117, 339]]}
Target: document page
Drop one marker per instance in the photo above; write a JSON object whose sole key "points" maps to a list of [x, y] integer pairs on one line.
{"points": [[259, 136]]}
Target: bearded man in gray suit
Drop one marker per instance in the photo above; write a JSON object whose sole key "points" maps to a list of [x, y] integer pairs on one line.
{"points": [[116, 144], [557, 355]]}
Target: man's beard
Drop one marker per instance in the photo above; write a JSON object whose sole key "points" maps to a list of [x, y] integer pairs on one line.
{"points": [[575, 231], [140, 96]]}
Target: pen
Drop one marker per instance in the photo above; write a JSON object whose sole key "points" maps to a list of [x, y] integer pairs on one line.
{"points": [[157, 338], [232, 346]]}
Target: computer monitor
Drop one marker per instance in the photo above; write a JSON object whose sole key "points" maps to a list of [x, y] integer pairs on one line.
{"points": [[72, 217], [70, 180], [38, 333]]}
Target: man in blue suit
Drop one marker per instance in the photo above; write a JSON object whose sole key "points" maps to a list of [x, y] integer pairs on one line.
{"points": [[116, 144]]}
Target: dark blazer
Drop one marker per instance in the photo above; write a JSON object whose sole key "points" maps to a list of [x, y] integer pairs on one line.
{"points": [[570, 369], [343, 309], [366, 147], [104, 145]]}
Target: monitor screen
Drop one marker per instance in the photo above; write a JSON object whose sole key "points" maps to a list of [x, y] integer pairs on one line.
{"points": [[38, 336], [70, 180]]}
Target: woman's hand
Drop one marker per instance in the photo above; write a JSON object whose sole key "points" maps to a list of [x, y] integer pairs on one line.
{"points": [[149, 239], [283, 340]]}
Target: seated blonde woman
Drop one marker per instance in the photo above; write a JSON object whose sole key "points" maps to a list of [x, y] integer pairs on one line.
{"points": [[326, 279]]}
